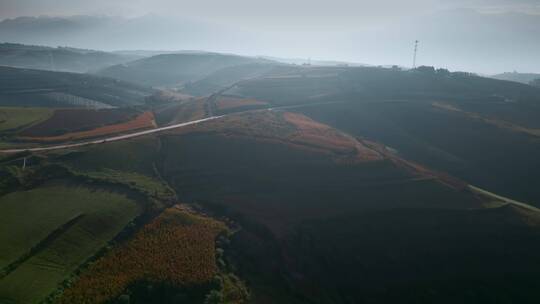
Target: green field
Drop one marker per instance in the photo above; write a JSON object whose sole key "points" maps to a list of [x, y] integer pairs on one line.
{"points": [[65, 224], [136, 181], [131, 163], [14, 118], [135, 155]]}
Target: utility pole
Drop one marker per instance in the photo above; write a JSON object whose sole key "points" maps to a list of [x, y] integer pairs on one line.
{"points": [[24, 164], [415, 52], [51, 59]]}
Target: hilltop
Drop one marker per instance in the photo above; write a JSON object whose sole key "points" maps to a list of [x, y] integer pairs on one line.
{"points": [[64, 59], [177, 69], [425, 114], [525, 78]]}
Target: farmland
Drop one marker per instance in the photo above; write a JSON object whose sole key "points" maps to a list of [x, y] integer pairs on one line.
{"points": [[227, 104], [177, 248], [292, 129], [73, 120], [137, 156], [180, 112], [142, 121], [51, 230], [12, 118], [134, 167]]}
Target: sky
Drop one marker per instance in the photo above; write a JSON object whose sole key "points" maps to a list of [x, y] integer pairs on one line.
{"points": [[374, 32], [264, 13]]}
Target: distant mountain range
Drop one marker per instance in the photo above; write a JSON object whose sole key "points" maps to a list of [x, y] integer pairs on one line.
{"points": [[446, 39], [58, 59], [526, 78], [148, 32]]}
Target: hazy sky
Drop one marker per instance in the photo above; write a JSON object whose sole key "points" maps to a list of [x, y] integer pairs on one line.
{"points": [[264, 12], [486, 36]]}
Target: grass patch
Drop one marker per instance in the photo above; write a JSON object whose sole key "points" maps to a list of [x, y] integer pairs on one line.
{"points": [[142, 183], [135, 155], [29, 217], [12, 118]]}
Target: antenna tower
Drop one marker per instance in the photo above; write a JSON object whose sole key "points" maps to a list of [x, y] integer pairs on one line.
{"points": [[415, 52]]}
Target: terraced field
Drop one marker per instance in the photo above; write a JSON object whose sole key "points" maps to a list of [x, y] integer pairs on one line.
{"points": [[50, 230]]}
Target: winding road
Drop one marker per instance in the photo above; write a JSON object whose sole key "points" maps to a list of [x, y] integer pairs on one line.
{"points": [[110, 139]]}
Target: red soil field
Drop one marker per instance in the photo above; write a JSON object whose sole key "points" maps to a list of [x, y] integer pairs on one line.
{"points": [[292, 129], [230, 102], [75, 120], [312, 133], [178, 247], [143, 121], [179, 112]]}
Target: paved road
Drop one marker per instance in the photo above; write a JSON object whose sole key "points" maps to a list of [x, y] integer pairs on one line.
{"points": [[110, 139], [504, 199]]}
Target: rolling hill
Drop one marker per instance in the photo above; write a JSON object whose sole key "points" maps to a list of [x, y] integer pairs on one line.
{"points": [[333, 218], [318, 185], [525, 78], [180, 69], [62, 59], [25, 87], [453, 122], [225, 77]]}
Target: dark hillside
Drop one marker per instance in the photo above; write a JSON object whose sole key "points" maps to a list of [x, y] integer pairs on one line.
{"points": [[22, 87], [312, 83], [481, 130], [341, 231], [500, 158]]}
